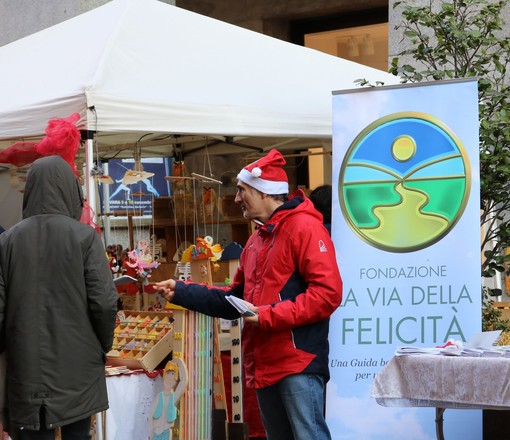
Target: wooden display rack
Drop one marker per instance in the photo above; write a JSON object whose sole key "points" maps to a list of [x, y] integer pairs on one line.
{"points": [[196, 343], [142, 340]]}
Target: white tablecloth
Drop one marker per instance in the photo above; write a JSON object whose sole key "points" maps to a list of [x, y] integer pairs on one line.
{"points": [[444, 382], [130, 398]]}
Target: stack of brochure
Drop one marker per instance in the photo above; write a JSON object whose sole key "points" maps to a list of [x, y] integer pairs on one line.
{"points": [[124, 279], [472, 352], [404, 351], [243, 307], [481, 345]]}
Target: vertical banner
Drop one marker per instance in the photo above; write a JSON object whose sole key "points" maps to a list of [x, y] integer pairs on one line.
{"points": [[138, 196], [406, 227]]}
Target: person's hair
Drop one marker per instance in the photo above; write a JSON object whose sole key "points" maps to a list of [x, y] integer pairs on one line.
{"points": [[321, 198], [171, 366], [279, 197]]}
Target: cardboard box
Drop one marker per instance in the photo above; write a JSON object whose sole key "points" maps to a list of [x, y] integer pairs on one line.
{"points": [[142, 340]]}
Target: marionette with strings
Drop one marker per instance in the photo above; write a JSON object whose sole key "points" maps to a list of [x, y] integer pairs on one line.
{"points": [[180, 184], [210, 202], [141, 260]]}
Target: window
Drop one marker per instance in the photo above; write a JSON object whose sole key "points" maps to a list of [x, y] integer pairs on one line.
{"points": [[366, 45], [359, 36]]}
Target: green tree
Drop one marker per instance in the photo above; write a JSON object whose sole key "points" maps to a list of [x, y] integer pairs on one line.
{"points": [[459, 39]]}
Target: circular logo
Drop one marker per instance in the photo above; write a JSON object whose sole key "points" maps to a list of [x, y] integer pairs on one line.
{"points": [[404, 182]]}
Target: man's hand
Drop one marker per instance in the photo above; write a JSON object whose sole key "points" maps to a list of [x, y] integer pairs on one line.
{"points": [[166, 289], [252, 319]]}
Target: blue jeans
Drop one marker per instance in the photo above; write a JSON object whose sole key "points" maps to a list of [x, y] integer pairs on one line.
{"points": [[293, 409]]}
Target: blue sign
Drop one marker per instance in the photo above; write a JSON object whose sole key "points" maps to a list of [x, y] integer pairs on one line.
{"points": [[137, 196], [406, 228]]}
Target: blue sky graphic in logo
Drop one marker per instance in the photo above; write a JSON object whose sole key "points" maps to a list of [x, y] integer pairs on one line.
{"points": [[404, 182]]}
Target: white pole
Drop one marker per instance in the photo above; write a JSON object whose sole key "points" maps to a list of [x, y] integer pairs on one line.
{"points": [[106, 207], [90, 187], [99, 426]]}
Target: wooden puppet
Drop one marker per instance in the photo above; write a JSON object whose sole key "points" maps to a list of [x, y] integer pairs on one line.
{"points": [[209, 202], [179, 186], [163, 412]]}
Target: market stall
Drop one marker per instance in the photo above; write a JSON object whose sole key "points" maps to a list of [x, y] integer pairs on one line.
{"points": [[147, 76], [145, 73]]}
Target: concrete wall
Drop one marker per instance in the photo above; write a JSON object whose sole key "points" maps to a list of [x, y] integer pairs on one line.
{"points": [[19, 18], [272, 17]]}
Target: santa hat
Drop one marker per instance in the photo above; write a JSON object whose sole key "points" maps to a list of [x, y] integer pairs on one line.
{"points": [[266, 174]]}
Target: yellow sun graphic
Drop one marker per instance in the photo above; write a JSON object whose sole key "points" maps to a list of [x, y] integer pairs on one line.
{"points": [[403, 148]]}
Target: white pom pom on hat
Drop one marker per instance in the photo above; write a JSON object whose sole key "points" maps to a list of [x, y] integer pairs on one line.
{"points": [[266, 174]]}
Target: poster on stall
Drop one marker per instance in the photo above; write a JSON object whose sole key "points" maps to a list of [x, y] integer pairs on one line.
{"points": [[137, 196], [407, 235]]}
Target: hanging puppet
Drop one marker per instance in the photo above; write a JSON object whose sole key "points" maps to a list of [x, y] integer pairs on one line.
{"points": [[140, 260], [180, 184], [143, 250], [111, 255], [209, 203], [128, 268]]}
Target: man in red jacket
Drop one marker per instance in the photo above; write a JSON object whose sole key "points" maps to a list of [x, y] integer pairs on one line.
{"points": [[289, 275]]}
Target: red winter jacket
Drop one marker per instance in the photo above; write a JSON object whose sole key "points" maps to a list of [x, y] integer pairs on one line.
{"points": [[288, 269]]}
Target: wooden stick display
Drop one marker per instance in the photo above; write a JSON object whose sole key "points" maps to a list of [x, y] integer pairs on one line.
{"points": [[194, 343], [237, 429], [236, 369], [179, 315], [219, 380], [193, 340]]}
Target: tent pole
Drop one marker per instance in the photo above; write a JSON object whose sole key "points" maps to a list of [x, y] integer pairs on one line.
{"points": [[90, 187], [106, 207]]}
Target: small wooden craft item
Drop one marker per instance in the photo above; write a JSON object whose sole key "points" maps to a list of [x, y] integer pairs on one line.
{"points": [[164, 409]]}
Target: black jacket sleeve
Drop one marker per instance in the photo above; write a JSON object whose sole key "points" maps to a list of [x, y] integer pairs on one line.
{"points": [[204, 299]]}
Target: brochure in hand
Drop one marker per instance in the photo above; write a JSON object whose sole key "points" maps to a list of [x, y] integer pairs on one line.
{"points": [[124, 279], [242, 306]]}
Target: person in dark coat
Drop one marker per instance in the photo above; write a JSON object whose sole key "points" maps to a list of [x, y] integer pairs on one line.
{"points": [[58, 307], [321, 198]]}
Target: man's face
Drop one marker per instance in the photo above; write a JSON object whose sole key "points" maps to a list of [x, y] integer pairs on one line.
{"points": [[250, 200]]}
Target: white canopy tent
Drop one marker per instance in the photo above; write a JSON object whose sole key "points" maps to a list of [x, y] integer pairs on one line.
{"points": [[142, 69]]}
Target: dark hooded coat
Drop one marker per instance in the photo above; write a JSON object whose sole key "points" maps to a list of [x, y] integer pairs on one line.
{"points": [[57, 304]]}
